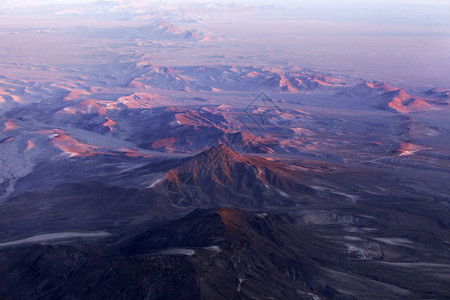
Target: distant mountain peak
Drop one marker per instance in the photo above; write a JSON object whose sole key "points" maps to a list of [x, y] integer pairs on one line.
{"points": [[162, 22], [440, 93], [164, 30], [167, 26], [399, 93], [380, 86], [399, 101]]}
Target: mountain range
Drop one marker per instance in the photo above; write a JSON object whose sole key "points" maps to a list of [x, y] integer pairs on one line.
{"points": [[186, 151]]}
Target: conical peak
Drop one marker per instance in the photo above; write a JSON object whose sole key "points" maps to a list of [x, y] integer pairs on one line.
{"points": [[220, 152]]}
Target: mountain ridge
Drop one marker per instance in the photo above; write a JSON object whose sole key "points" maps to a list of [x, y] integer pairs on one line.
{"points": [[221, 176]]}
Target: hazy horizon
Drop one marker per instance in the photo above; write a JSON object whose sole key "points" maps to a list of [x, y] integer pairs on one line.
{"points": [[397, 41]]}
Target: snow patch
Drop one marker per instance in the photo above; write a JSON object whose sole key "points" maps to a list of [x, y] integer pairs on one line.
{"points": [[178, 251], [282, 193], [156, 182], [213, 248], [395, 241], [54, 236]]}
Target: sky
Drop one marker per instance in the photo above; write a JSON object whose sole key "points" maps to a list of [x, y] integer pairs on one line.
{"points": [[411, 12]]}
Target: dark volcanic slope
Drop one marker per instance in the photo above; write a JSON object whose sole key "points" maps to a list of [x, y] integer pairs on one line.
{"points": [[172, 261], [112, 192], [209, 254], [222, 177]]}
